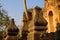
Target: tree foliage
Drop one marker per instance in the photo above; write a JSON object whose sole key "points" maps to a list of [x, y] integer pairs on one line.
{"points": [[4, 18]]}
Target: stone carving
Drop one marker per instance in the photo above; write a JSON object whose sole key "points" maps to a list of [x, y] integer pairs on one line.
{"points": [[11, 31]]}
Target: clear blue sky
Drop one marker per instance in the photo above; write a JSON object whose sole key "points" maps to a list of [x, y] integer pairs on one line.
{"points": [[15, 8]]}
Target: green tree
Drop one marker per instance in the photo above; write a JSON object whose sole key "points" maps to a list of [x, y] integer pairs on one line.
{"points": [[4, 18]]}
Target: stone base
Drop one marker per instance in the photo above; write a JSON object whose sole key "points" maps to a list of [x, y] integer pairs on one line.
{"points": [[34, 36]]}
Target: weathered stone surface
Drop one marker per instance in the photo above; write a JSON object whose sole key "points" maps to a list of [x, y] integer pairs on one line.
{"points": [[11, 31], [35, 25], [39, 19], [58, 27], [11, 38]]}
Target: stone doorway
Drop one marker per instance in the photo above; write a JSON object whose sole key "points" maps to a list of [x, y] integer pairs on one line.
{"points": [[51, 21]]}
